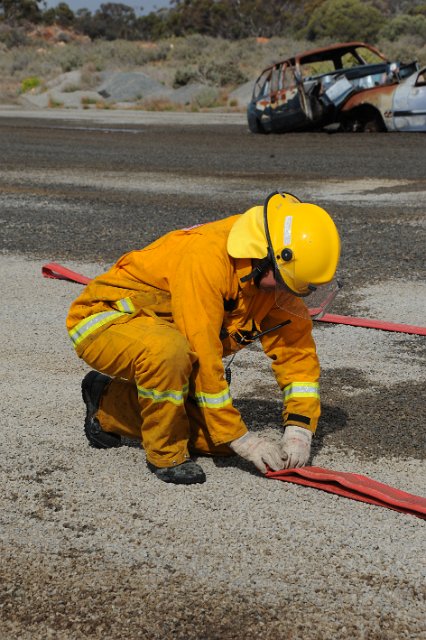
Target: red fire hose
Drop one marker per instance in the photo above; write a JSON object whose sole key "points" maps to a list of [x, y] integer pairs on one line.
{"points": [[58, 272], [367, 323], [356, 487]]}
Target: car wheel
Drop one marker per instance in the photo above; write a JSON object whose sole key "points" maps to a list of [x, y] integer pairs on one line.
{"points": [[255, 125], [350, 125], [374, 124], [365, 119]]}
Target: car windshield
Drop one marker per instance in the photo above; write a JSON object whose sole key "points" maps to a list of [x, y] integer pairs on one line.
{"points": [[331, 61], [367, 56]]}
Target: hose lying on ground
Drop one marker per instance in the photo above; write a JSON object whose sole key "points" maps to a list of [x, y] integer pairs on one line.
{"points": [[58, 272]]}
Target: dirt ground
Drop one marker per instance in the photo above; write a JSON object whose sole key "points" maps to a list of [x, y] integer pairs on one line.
{"points": [[92, 544]]}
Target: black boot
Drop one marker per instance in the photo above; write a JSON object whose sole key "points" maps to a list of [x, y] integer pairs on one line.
{"points": [[189, 472], [92, 388]]}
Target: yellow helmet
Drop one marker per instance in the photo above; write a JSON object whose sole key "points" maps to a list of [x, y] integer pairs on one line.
{"points": [[299, 240]]}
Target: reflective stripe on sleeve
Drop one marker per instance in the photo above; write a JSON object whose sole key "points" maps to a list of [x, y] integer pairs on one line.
{"points": [[301, 390], [214, 400], [90, 324], [170, 395], [97, 320], [126, 305]]}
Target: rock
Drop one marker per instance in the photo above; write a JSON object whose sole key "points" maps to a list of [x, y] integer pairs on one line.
{"points": [[129, 86], [242, 94]]}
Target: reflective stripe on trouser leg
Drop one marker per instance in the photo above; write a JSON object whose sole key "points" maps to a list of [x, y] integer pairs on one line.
{"points": [[120, 413], [158, 359], [301, 390]]}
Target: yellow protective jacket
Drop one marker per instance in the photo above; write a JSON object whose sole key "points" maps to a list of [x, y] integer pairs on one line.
{"points": [[188, 277]]}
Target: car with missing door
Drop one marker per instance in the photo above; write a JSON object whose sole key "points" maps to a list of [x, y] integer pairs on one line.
{"points": [[350, 84]]}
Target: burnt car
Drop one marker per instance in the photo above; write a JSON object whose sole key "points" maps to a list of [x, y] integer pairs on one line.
{"points": [[314, 89]]}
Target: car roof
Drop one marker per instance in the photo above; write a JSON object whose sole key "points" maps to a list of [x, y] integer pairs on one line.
{"points": [[323, 53]]}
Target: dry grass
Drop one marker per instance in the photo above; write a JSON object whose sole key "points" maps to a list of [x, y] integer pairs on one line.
{"points": [[220, 63]]}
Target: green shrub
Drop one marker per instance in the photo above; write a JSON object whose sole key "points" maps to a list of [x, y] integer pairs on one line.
{"points": [[55, 104], [207, 98], [20, 60], [223, 73], [70, 88], [30, 83], [12, 36], [190, 48], [86, 101], [405, 25], [70, 57], [124, 55], [403, 49], [185, 76], [345, 20]]}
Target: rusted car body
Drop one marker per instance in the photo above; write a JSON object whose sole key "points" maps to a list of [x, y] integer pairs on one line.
{"points": [[314, 89]]}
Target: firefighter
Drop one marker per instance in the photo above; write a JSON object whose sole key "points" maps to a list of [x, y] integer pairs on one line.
{"points": [[156, 326]]}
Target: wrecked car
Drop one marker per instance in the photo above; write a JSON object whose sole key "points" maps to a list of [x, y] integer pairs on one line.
{"points": [[325, 86]]}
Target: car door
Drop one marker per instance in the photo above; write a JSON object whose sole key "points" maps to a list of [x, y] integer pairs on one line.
{"points": [[286, 110], [409, 104], [269, 101], [259, 108]]}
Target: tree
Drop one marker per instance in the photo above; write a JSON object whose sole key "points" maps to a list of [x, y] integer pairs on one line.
{"points": [[64, 15], [83, 22], [153, 26], [61, 15], [397, 7], [15, 10], [233, 19], [114, 20], [345, 20]]}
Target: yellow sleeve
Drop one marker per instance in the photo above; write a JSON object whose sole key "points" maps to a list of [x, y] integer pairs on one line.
{"points": [[295, 365], [198, 286]]}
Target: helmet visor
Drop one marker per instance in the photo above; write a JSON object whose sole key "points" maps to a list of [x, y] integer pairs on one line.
{"points": [[313, 304], [320, 300]]}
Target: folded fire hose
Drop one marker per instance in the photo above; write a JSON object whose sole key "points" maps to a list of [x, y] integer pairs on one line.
{"points": [[348, 485], [354, 486]]}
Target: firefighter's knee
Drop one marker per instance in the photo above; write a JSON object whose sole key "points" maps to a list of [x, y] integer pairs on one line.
{"points": [[171, 352]]}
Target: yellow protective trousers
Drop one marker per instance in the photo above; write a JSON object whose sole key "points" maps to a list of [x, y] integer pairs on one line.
{"points": [[149, 398]]}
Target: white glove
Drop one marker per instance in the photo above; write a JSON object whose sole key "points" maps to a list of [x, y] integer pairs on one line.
{"points": [[296, 443], [260, 451]]}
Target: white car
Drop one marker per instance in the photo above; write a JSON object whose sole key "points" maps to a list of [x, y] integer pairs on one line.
{"points": [[398, 107]]}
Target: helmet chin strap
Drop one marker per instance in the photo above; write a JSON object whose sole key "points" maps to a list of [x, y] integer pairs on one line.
{"points": [[268, 262], [263, 265]]}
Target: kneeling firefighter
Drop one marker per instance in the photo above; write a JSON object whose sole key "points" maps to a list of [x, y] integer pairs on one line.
{"points": [[156, 326]]}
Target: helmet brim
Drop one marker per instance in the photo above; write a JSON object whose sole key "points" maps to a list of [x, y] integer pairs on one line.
{"points": [[247, 236]]}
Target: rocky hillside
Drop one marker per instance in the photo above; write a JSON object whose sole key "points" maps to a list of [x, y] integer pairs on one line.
{"points": [[56, 67]]}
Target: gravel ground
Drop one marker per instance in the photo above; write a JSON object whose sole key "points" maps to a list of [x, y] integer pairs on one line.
{"points": [[94, 546]]}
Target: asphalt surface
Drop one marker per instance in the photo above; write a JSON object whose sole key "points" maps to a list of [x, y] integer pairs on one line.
{"points": [[96, 547], [94, 192]]}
